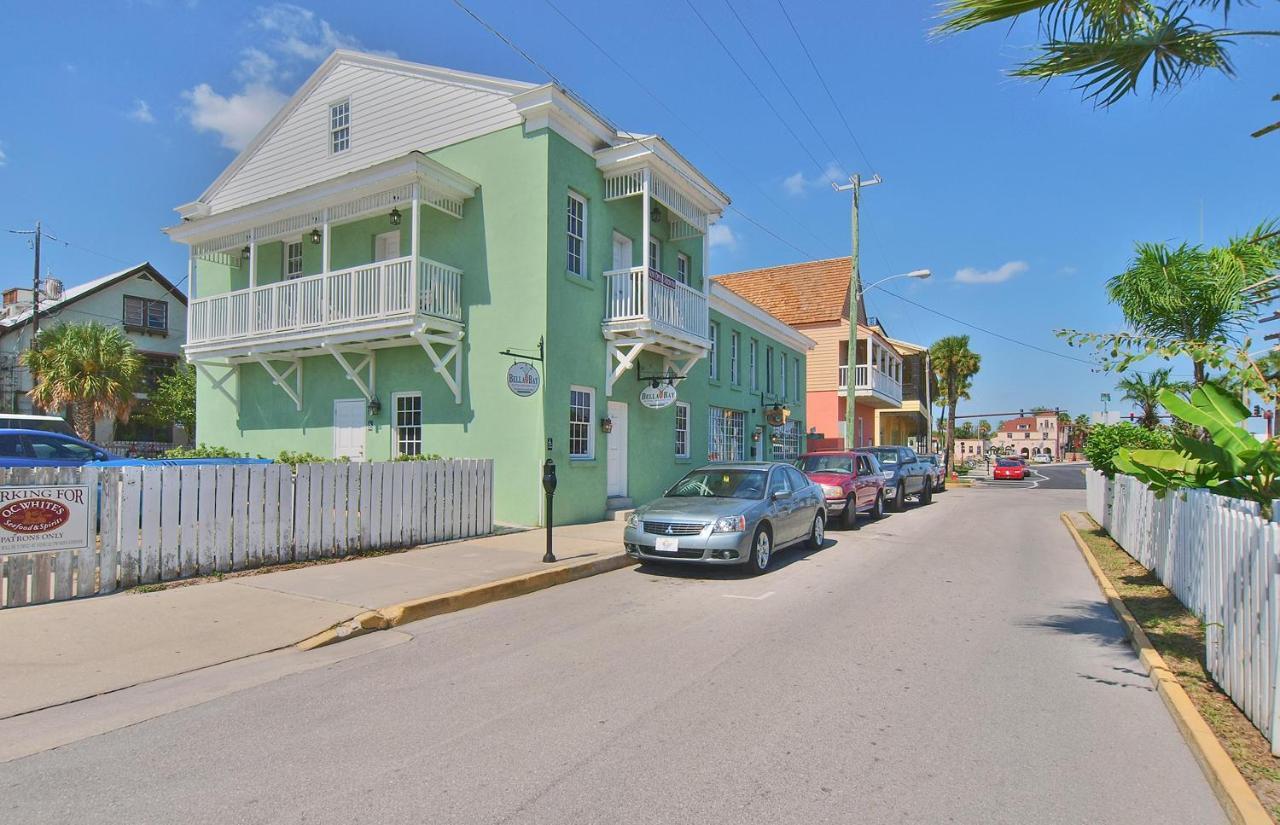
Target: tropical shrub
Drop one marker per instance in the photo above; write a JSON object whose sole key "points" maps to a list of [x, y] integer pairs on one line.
{"points": [[1232, 463], [202, 451], [294, 459], [1106, 440], [419, 457]]}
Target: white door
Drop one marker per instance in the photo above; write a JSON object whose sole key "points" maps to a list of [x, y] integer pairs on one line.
{"points": [[621, 251], [617, 449], [349, 429], [386, 246]]}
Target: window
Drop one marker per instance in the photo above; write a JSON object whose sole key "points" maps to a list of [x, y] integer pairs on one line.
{"points": [[145, 314], [50, 447], [576, 260], [795, 380], [733, 357], [682, 268], [725, 431], [655, 254], [582, 411], [713, 354], [752, 346], [408, 423], [788, 447], [782, 375], [682, 430], [135, 429], [155, 367], [768, 370], [778, 482], [293, 259], [339, 127]]}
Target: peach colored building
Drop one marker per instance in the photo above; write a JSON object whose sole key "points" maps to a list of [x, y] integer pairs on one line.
{"points": [[891, 382], [1031, 435]]}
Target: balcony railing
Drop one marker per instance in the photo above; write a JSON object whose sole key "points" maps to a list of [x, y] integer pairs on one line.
{"points": [[386, 290], [871, 379], [654, 298]]}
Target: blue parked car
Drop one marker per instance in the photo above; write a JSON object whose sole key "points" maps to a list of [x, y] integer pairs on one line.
{"points": [[36, 448]]}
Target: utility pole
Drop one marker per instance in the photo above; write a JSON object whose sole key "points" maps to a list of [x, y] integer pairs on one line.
{"points": [[855, 185], [38, 234]]}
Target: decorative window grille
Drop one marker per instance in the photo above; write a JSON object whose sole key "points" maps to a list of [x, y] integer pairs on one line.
{"points": [[582, 403], [293, 260], [576, 236], [726, 434], [408, 423], [788, 448], [682, 430], [340, 127]]}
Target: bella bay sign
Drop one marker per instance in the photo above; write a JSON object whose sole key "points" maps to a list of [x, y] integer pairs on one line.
{"points": [[523, 378], [655, 398]]}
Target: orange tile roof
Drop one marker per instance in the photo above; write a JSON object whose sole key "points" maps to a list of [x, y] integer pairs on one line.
{"points": [[804, 293]]}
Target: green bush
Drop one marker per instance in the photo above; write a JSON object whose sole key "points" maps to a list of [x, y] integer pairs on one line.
{"points": [[420, 457], [1106, 440], [294, 459], [202, 451], [962, 470]]}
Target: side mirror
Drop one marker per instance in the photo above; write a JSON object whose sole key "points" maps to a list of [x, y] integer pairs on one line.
{"points": [[779, 495]]}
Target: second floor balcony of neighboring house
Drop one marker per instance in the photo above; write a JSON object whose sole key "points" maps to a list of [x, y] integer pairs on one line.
{"points": [[335, 268], [877, 373]]}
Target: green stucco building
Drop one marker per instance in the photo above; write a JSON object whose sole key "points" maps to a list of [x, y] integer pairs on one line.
{"points": [[365, 269]]}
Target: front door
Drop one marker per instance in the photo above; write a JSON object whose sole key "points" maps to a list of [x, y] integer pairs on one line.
{"points": [[617, 449], [386, 246], [621, 251], [349, 429]]}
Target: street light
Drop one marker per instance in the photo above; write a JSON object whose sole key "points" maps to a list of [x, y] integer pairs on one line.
{"points": [[851, 377]]}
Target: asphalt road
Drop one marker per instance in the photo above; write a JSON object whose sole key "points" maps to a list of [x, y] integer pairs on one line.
{"points": [[951, 664], [1042, 477]]}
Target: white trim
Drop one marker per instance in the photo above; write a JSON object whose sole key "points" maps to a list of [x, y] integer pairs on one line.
{"points": [[395, 422], [724, 301], [333, 104], [688, 428], [549, 107], [591, 424], [583, 256], [688, 268]]}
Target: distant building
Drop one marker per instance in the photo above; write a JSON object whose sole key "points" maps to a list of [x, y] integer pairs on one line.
{"points": [[971, 449], [1112, 417], [141, 301], [1031, 435]]}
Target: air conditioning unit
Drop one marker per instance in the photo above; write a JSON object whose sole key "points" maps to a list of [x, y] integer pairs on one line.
{"points": [[53, 289]]}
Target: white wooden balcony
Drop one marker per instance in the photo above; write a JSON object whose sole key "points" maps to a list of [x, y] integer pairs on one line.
{"points": [[651, 302], [872, 385], [361, 304]]}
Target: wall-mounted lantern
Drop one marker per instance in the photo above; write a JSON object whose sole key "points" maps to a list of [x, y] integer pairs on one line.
{"points": [[606, 425], [375, 407]]}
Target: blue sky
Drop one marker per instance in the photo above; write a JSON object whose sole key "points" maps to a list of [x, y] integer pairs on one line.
{"points": [[1022, 200]]}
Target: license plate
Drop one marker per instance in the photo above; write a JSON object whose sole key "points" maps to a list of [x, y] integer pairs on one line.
{"points": [[667, 545]]}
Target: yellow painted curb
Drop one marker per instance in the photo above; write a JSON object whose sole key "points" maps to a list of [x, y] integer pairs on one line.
{"points": [[1234, 794], [411, 611]]}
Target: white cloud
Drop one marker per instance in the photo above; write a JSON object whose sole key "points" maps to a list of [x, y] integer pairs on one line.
{"points": [[3, 157], [1002, 273], [237, 117], [797, 185], [721, 236], [141, 112], [296, 39], [1068, 270]]}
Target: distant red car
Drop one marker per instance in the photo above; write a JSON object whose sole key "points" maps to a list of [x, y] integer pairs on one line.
{"points": [[851, 482], [1009, 468]]}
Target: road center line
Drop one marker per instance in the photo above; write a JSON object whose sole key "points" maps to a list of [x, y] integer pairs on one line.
{"points": [[748, 598]]}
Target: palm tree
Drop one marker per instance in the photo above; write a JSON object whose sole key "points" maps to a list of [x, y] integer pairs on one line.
{"points": [[93, 368], [955, 365], [1145, 392], [1080, 431], [1187, 295], [1110, 47]]}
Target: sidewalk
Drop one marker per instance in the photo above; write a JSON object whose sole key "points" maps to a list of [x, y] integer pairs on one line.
{"points": [[60, 652]]}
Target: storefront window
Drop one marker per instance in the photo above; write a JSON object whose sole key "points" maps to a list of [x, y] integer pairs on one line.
{"points": [[726, 434]]}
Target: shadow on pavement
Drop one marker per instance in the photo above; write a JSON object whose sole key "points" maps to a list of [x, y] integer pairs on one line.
{"points": [[730, 572], [1093, 620]]}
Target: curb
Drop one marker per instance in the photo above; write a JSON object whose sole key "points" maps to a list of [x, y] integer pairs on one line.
{"points": [[1238, 800], [385, 618]]}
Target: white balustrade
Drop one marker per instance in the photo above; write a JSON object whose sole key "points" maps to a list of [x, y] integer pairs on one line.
{"points": [[873, 379], [636, 295], [369, 292]]}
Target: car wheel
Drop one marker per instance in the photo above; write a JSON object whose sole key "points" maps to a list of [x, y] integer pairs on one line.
{"points": [[878, 510], [926, 496], [900, 498], [818, 532], [850, 515], [761, 551]]}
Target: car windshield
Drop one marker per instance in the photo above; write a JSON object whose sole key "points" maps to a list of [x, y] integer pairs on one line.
{"points": [[1008, 462], [825, 464], [887, 457], [720, 484]]}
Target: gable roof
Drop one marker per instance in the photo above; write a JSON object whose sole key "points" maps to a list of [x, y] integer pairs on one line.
{"points": [[75, 293], [809, 292]]}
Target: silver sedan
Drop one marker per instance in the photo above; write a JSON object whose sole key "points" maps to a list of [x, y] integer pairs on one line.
{"points": [[729, 514]]}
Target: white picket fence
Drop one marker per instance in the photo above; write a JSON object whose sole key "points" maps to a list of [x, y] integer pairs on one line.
{"points": [[1219, 557], [164, 523]]}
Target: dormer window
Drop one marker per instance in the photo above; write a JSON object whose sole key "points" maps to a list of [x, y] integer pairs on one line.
{"points": [[339, 126]]}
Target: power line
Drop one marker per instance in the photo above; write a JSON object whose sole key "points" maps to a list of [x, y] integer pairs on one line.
{"points": [[821, 169], [825, 87], [712, 144], [786, 87]]}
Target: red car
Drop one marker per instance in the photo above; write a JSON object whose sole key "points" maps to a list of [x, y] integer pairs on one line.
{"points": [[851, 482], [1009, 468]]}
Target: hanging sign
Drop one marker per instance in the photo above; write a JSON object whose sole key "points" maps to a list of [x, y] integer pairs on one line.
{"points": [[655, 398], [776, 416], [523, 379], [38, 519]]}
